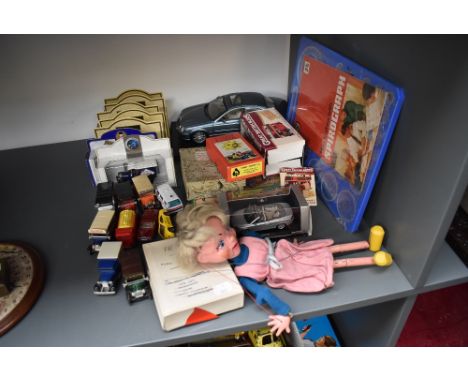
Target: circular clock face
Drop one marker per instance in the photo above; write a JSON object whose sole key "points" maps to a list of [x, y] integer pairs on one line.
{"points": [[21, 282]]}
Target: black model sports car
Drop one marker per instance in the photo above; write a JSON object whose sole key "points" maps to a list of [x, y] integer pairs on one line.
{"points": [[222, 115]]}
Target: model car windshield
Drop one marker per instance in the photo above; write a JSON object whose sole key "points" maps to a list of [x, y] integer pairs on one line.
{"points": [[256, 214], [221, 115], [215, 108]]}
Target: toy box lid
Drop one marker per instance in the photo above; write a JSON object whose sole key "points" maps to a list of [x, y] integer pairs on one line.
{"points": [[272, 135], [200, 175], [235, 158]]}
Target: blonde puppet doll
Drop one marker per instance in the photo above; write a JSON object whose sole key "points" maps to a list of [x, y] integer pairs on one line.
{"points": [[205, 237]]}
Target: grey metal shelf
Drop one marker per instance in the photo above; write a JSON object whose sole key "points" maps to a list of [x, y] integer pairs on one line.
{"points": [[448, 270], [47, 201], [57, 214], [379, 324], [67, 314]]}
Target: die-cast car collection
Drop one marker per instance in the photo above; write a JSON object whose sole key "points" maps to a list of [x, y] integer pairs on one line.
{"points": [[131, 210], [128, 215]]}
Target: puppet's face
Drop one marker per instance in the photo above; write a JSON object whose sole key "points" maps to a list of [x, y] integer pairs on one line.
{"points": [[222, 247]]}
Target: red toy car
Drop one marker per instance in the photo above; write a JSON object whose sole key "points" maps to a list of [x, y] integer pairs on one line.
{"points": [[126, 229], [147, 227]]}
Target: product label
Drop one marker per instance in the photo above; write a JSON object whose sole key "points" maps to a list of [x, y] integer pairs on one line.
{"points": [[246, 170], [222, 288]]}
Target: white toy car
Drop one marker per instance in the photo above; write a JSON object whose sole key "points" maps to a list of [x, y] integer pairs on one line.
{"points": [[168, 198]]}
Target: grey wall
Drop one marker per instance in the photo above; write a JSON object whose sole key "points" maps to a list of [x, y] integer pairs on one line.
{"points": [[51, 87]]}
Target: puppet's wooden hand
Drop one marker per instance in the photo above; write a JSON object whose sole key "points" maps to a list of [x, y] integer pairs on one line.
{"points": [[279, 323]]}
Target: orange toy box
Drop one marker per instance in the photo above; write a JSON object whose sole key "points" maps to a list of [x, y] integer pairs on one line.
{"points": [[235, 158]]}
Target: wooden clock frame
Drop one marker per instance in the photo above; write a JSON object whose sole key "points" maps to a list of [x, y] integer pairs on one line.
{"points": [[32, 293]]}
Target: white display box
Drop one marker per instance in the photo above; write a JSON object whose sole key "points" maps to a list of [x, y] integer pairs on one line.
{"points": [[109, 158]]}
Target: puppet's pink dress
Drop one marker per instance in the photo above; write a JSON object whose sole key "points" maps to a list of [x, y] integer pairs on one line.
{"points": [[305, 267]]}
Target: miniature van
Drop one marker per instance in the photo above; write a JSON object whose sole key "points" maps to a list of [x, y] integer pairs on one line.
{"points": [[168, 198]]}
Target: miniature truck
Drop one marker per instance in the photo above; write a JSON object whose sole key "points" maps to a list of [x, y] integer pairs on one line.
{"points": [[147, 226], [104, 196], [108, 267], [134, 278], [124, 196], [126, 228], [145, 190], [101, 229]]}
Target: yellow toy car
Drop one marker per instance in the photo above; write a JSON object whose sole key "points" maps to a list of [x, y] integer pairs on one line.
{"points": [[166, 229], [265, 338]]}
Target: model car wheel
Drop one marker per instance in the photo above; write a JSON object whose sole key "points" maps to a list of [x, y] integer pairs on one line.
{"points": [[281, 226], [129, 298], [199, 137]]}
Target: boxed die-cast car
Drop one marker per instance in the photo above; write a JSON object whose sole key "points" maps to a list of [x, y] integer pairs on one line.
{"points": [[235, 158], [261, 217], [120, 159], [282, 213]]}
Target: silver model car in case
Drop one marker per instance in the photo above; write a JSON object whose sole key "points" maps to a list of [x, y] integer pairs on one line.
{"points": [[261, 217], [278, 213]]}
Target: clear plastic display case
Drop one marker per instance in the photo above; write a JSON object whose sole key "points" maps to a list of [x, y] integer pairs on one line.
{"points": [[281, 213]]}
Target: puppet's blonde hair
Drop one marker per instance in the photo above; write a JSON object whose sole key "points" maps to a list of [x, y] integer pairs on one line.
{"points": [[192, 232]]}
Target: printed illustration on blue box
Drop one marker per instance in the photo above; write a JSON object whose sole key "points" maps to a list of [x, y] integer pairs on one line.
{"points": [[317, 331], [347, 115]]}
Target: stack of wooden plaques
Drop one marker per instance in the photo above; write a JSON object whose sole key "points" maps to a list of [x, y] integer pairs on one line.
{"points": [[135, 109]]}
